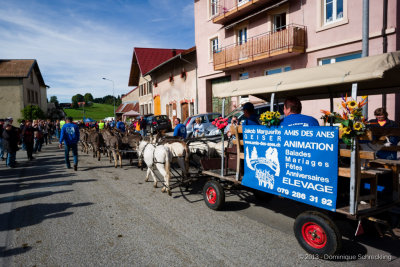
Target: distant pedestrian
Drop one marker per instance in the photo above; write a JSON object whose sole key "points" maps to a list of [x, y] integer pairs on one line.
{"points": [[10, 142], [121, 126], [29, 139], [1, 139], [70, 137], [142, 124], [38, 137]]}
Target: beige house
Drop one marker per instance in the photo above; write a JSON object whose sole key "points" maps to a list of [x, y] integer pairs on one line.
{"points": [[144, 60], [175, 85], [21, 84], [130, 102]]}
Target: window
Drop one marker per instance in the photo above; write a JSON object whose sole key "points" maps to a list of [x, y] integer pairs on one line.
{"points": [[277, 70], [243, 76], [338, 59], [213, 46], [36, 98], [213, 8], [150, 87], [150, 109], [241, 2], [333, 11], [242, 35], [191, 108], [279, 22]]}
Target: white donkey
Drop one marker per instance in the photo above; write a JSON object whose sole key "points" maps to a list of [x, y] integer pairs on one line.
{"points": [[156, 156]]}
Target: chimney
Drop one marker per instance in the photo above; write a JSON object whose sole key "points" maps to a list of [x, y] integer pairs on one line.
{"points": [[173, 52]]}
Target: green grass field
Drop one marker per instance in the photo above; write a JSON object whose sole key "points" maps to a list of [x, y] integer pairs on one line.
{"points": [[96, 112]]}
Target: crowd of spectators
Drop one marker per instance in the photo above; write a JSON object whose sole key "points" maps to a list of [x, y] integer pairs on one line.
{"points": [[30, 135]]}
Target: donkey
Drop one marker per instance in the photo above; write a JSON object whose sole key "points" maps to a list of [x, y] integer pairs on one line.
{"points": [[83, 138], [97, 142], [179, 150], [113, 144], [156, 156]]}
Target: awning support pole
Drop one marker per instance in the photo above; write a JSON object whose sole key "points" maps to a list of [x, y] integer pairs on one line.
{"points": [[355, 170], [271, 103], [331, 107], [222, 139]]}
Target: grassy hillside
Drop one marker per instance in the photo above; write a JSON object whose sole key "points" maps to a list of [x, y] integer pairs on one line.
{"points": [[96, 112]]}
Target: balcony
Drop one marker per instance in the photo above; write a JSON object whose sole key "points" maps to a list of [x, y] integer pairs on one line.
{"points": [[227, 10], [290, 40]]}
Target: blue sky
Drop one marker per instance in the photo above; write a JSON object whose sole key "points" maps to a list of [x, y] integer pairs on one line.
{"points": [[77, 42]]}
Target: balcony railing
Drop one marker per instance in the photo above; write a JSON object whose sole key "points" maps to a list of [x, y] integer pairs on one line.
{"points": [[291, 39], [224, 10]]}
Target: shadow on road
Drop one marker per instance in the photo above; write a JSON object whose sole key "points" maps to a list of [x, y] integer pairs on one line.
{"points": [[31, 196], [35, 214], [13, 251]]}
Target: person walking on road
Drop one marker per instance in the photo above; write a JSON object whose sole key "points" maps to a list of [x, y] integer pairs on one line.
{"points": [[1, 140], [28, 136], [70, 136], [10, 142], [142, 123]]}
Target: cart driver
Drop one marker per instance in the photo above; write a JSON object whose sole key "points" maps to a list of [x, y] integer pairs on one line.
{"points": [[293, 117]]}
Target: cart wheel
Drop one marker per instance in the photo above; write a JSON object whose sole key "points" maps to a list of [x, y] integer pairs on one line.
{"points": [[317, 233], [214, 195]]}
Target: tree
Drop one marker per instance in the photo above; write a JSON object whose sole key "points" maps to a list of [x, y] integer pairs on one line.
{"points": [[32, 112], [88, 97], [53, 99], [77, 98]]}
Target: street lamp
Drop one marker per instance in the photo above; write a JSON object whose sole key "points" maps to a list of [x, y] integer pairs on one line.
{"points": [[113, 93]]}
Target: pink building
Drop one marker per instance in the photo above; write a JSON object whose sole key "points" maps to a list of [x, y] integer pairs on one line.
{"points": [[241, 39]]}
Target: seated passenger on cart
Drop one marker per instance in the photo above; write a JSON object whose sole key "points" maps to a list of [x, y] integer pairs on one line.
{"points": [[248, 113], [382, 121], [293, 117]]}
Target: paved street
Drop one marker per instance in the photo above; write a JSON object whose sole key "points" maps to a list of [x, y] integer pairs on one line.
{"points": [[102, 216]]}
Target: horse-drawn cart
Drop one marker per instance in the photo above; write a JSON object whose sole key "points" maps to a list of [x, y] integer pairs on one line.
{"points": [[309, 164]]}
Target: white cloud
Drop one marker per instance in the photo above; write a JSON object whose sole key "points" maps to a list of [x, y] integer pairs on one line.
{"points": [[75, 48]]}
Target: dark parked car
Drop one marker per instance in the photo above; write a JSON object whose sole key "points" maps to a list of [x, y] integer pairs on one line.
{"points": [[157, 123]]}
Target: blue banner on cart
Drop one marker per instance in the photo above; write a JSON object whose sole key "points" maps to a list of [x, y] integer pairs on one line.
{"points": [[300, 163]]}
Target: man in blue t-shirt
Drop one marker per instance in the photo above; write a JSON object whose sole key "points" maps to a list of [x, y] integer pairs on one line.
{"points": [[180, 129], [70, 136], [248, 113], [121, 126], [292, 109]]}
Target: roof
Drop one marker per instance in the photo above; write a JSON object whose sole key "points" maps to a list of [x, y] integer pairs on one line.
{"points": [[373, 75], [145, 59], [129, 92], [185, 52], [19, 68], [125, 107]]}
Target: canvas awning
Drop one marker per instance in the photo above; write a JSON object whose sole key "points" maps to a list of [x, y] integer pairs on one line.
{"points": [[374, 75], [131, 113]]}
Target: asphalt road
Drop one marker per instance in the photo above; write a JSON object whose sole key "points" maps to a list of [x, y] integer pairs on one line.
{"points": [[102, 216]]}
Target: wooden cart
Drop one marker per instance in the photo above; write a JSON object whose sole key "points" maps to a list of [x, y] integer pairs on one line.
{"points": [[315, 229]]}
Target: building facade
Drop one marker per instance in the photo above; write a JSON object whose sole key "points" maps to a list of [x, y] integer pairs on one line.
{"points": [[174, 86], [242, 39], [21, 84], [144, 60]]}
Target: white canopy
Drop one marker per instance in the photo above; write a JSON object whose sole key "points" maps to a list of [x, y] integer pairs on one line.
{"points": [[130, 113], [374, 75]]}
